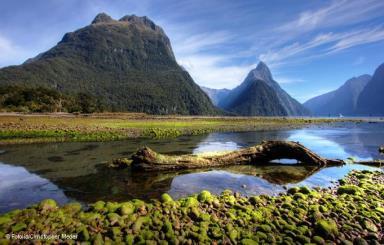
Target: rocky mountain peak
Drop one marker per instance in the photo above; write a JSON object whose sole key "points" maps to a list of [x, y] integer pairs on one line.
{"points": [[102, 18], [141, 20], [261, 72]]}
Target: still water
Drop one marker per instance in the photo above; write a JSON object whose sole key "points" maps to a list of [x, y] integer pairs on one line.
{"points": [[76, 171]]}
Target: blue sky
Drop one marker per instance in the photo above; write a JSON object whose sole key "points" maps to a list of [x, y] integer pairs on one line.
{"points": [[311, 46]]}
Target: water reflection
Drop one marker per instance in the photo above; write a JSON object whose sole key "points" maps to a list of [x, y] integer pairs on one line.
{"points": [[77, 171], [19, 188]]}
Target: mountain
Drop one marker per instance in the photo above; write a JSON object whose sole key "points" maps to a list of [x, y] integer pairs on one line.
{"points": [[260, 95], [216, 95], [371, 99], [127, 63], [340, 101]]}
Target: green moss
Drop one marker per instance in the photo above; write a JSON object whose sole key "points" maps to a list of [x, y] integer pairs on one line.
{"points": [[327, 228], [48, 204], [190, 202], [249, 242], [349, 189], [166, 198], [139, 222], [293, 190], [19, 227], [127, 208], [318, 240], [205, 196], [84, 235]]}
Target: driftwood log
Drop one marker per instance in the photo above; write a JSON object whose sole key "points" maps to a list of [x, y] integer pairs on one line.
{"points": [[149, 160]]}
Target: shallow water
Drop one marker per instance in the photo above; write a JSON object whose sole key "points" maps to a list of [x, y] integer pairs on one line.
{"points": [[76, 171]]}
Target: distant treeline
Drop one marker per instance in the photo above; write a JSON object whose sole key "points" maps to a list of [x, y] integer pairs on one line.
{"points": [[41, 99]]}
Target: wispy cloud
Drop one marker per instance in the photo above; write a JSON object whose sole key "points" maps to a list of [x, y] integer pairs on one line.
{"points": [[358, 37], [324, 44], [200, 42], [199, 56], [208, 72], [338, 13], [288, 80]]}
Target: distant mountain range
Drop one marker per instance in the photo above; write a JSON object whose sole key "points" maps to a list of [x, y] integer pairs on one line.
{"points": [[371, 99], [359, 96], [128, 63], [340, 101], [216, 95], [258, 95]]}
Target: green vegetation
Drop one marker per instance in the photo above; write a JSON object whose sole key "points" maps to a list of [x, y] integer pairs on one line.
{"points": [[301, 215], [117, 126], [40, 99], [127, 63]]}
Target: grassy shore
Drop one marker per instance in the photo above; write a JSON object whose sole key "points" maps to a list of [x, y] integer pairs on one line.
{"points": [[350, 213], [18, 128]]}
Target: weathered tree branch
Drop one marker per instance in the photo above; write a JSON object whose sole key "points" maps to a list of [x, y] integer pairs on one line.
{"points": [[149, 160]]}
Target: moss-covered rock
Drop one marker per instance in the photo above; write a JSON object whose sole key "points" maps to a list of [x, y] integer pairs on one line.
{"points": [[204, 196], [327, 228], [48, 204], [166, 198], [349, 189]]}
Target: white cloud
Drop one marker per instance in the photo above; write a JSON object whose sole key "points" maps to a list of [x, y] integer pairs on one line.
{"points": [[200, 42], [359, 37], [338, 13], [288, 80], [323, 44], [196, 53], [207, 71]]}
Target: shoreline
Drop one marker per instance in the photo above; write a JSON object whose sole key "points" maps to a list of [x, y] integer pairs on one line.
{"points": [[350, 212], [44, 128]]}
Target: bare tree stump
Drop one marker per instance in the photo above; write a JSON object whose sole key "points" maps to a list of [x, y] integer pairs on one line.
{"points": [[149, 160]]}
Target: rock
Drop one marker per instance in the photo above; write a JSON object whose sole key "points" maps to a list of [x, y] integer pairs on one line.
{"points": [[98, 206], [304, 190], [5, 220], [83, 235], [327, 228], [348, 189], [360, 241], [166, 198], [19, 227], [318, 240], [381, 149], [102, 18], [204, 196], [293, 190], [139, 222], [72, 207], [369, 225], [48, 204], [190, 202], [127, 208], [249, 242], [112, 207]]}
